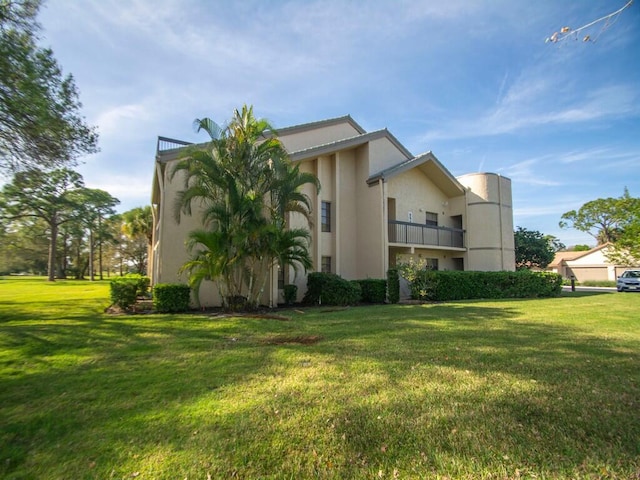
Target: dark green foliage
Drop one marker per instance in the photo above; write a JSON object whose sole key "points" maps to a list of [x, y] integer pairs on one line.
{"points": [[171, 297], [331, 289], [393, 285], [124, 292], [142, 283], [290, 294], [455, 285], [238, 303], [373, 290], [533, 249], [41, 126]]}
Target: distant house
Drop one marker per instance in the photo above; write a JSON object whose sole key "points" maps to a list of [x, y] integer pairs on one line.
{"points": [[378, 205], [590, 265]]}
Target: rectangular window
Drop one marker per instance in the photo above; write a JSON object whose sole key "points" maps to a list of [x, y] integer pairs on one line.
{"points": [[431, 219], [432, 263], [326, 216], [326, 265]]}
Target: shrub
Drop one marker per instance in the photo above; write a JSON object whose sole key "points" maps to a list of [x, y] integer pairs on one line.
{"points": [[373, 290], [456, 285], [171, 297], [331, 289], [123, 292], [393, 285], [142, 282], [290, 294]]}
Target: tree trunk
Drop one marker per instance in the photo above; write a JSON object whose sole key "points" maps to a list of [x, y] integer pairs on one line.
{"points": [[52, 248], [100, 246], [63, 264], [91, 252], [79, 268]]}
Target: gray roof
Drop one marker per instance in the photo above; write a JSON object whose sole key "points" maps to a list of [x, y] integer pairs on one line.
{"points": [[320, 123], [345, 143]]}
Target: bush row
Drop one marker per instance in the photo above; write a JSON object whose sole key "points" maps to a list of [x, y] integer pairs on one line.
{"points": [[167, 297], [171, 297], [457, 285], [332, 289]]}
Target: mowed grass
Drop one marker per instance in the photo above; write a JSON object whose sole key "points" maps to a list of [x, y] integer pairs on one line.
{"points": [[486, 389]]}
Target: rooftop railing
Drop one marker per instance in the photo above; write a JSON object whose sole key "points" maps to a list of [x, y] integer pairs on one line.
{"points": [[165, 143]]}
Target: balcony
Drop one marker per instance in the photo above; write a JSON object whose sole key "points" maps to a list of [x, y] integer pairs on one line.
{"points": [[420, 234]]}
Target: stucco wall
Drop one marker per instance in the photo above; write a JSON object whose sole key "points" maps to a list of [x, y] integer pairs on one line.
{"points": [[416, 193], [171, 251], [346, 231], [371, 247], [445, 259], [489, 222], [383, 154]]}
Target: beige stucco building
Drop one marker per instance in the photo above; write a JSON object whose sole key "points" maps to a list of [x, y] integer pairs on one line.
{"points": [[378, 205]]}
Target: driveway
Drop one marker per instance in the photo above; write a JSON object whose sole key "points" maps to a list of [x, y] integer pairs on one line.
{"points": [[567, 288]]}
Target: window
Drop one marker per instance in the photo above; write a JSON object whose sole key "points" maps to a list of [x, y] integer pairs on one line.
{"points": [[432, 263], [326, 216], [431, 219], [326, 265]]}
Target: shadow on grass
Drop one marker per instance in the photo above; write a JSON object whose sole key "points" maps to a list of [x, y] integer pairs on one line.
{"points": [[418, 386], [525, 394]]}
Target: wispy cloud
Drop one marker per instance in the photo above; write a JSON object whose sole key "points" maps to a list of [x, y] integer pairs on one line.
{"points": [[529, 172], [543, 94], [600, 155]]}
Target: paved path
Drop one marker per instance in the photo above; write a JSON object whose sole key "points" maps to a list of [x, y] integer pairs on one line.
{"points": [[566, 288]]}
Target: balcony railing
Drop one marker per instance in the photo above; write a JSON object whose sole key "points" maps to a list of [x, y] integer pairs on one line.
{"points": [[420, 234]]}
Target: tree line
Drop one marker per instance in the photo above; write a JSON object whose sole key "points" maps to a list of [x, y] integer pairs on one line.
{"points": [[49, 221]]}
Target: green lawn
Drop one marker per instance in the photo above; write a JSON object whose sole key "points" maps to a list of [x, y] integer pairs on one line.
{"points": [[486, 389]]}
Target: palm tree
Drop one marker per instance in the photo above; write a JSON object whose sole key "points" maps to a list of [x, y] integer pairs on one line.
{"points": [[246, 185], [138, 221]]}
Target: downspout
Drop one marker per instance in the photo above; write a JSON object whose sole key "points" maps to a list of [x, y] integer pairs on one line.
{"points": [[500, 222], [158, 228], [385, 244], [465, 228]]}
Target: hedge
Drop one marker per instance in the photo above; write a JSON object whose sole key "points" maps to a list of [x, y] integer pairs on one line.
{"points": [[457, 285], [393, 285], [142, 283], [331, 289], [290, 293], [123, 292], [373, 290], [171, 297]]}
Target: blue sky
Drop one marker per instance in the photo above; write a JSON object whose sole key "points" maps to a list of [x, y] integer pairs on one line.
{"points": [[472, 81]]}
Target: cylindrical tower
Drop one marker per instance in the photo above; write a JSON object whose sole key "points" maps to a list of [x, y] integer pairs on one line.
{"points": [[489, 225]]}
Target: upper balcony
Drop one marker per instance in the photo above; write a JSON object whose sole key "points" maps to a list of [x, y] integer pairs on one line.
{"points": [[421, 234]]}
